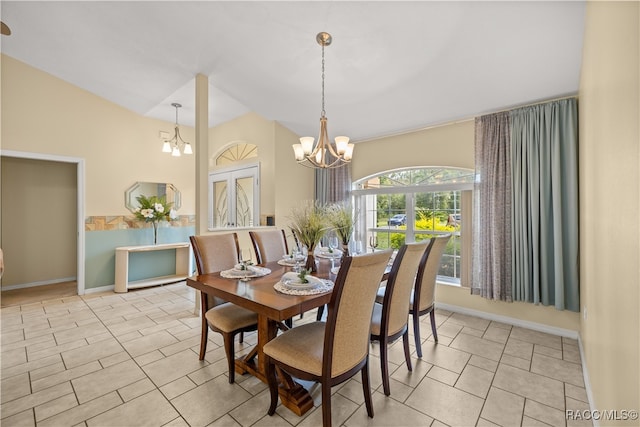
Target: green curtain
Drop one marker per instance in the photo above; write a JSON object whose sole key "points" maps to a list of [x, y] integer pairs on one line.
{"points": [[544, 152]]}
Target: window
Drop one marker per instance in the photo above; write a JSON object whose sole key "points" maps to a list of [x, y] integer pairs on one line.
{"points": [[234, 197], [415, 204], [236, 152]]}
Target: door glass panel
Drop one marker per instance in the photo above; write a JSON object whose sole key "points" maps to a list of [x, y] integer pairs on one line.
{"points": [[244, 201], [220, 204], [235, 197]]}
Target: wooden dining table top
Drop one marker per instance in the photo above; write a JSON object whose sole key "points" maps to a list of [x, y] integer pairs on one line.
{"points": [[259, 295]]}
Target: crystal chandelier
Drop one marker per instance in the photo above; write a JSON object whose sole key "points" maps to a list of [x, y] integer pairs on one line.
{"points": [[174, 144], [324, 154]]}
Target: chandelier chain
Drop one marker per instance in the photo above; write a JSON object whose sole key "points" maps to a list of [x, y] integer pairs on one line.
{"points": [[323, 112]]}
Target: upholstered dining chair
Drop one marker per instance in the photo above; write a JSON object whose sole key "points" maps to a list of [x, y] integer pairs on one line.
{"points": [[269, 245], [213, 253], [390, 319], [424, 292], [331, 352]]}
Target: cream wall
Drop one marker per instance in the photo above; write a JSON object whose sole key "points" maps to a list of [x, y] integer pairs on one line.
{"points": [[448, 145], [610, 204], [43, 114]]}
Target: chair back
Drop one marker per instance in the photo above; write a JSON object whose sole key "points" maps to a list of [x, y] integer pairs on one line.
{"points": [[269, 245], [213, 253], [346, 341], [395, 306], [425, 290]]}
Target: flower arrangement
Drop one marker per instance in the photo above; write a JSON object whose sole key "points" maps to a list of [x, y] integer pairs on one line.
{"points": [[154, 209], [309, 222], [342, 219]]}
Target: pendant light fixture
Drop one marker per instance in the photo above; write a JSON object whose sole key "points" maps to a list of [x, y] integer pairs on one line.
{"points": [[176, 144], [323, 155]]}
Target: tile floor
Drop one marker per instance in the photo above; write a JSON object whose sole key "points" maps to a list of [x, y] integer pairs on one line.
{"points": [[132, 359]]}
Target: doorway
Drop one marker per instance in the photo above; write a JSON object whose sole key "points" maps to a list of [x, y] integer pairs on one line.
{"points": [[36, 227]]}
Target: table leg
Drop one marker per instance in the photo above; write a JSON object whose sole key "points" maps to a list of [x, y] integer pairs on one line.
{"points": [[292, 395]]}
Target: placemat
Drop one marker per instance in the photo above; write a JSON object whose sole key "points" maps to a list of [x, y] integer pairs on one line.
{"points": [[254, 271], [326, 286]]}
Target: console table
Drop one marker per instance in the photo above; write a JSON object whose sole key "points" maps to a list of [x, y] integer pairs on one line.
{"points": [[184, 265]]}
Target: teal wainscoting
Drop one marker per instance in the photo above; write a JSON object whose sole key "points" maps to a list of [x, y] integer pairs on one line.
{"points": [[100, 255]]}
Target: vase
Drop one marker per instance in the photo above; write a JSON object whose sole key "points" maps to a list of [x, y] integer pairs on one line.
{"points": [[310, 265], [155, 233], [345, 250]]}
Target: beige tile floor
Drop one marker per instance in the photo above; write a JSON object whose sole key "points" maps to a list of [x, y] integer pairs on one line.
{"points": [[132, 359]]}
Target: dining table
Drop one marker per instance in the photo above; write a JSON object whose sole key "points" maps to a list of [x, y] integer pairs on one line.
{"points": [[273, 308]]}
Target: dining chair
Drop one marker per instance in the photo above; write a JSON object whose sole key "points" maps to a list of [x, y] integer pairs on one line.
{"points": [[213, 253], [423, 296], [390, 319], [331, 352], [269, 245]]}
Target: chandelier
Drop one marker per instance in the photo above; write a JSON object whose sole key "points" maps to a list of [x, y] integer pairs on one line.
{"points": [[175, 144], [324, 154]]}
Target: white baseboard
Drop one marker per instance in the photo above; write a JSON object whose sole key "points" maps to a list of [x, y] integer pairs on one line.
{"points": [[587, 383], [568, 333], [99, 289], [40, 283]]}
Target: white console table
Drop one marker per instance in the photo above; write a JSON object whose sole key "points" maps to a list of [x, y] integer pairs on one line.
{"points": [[184, 265]]}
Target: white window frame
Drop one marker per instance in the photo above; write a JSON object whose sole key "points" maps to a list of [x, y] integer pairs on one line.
{"points": [[466, 189]]}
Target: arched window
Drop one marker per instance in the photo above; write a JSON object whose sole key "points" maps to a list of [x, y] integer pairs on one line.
{"points": [[411, 205], [237, 152]]}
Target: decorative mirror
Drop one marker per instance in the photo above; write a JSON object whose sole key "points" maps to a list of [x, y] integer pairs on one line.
{"points": [[151, 189]]}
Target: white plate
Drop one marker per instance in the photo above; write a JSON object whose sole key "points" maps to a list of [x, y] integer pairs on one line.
{"points": [[292, 284], [329, 255]]}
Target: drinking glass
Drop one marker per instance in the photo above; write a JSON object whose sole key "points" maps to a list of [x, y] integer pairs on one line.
{"points": [[373, 242], [245, 259], [297, 252], [333, 245]]}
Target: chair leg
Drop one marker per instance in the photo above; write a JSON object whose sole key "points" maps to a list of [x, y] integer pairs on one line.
{"points": [[326, 405], [407, 352], [384, 366], [289, 322], [273, 387], [241, 337], [416, 334], [432, 314], [229, 350], [320, 313], [203, 338], [366, 389]]}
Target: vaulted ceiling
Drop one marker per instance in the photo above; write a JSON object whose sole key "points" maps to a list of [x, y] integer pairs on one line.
{"points": [[392, 67]]}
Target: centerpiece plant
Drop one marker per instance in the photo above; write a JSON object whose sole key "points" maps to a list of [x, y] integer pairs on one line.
{"points": [[154, 209], [309, 223], [342, 219]]}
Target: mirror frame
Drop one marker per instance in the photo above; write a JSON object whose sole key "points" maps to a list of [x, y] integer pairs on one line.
{"points": [[152, 189]]}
